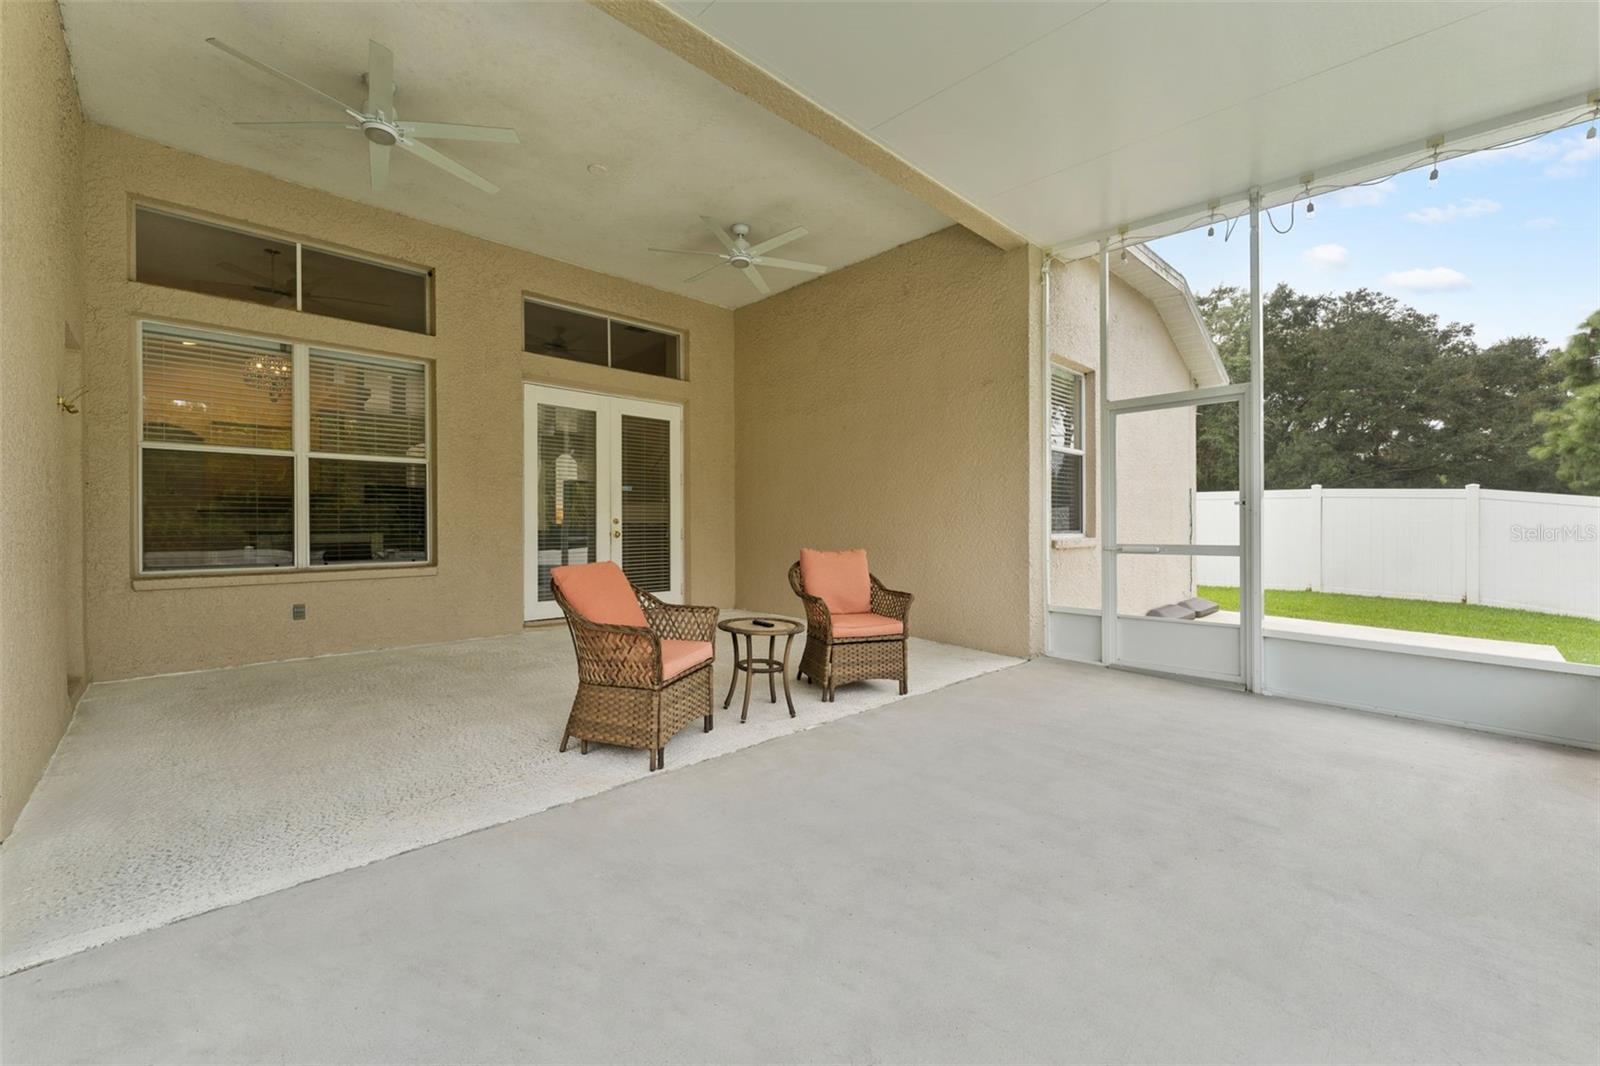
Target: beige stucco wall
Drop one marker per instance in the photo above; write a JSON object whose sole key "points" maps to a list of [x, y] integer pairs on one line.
{"points": [[167, 624], [887, 406], [41, 299], [1156, 453]]}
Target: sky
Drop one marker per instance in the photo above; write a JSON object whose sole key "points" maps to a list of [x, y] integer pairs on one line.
{"points": [[1507, 241]]}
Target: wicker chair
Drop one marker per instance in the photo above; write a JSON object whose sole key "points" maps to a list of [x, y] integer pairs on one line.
{"points": [[637, 684], [834, 657]]}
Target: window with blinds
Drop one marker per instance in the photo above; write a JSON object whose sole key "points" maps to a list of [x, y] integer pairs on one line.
{"points": [[225, 471], [1066, 451], [368, 460]]}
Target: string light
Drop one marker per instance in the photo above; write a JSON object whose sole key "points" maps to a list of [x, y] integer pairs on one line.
{"points": [[1437, 153]]}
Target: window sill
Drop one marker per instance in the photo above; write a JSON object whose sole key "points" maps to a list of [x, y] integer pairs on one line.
{"points": [[1070, 541], [150, 583]]}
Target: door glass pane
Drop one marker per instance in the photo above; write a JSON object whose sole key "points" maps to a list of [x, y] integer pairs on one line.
{"points": [[568, 522], [362, 291], [647, 502]]}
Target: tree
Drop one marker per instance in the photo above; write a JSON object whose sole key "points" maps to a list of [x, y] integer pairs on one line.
{"points": [[1363, 391], [1572, 431]]}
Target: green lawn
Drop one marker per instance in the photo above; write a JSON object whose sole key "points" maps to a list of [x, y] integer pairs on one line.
{"points": [[1577, 638]]}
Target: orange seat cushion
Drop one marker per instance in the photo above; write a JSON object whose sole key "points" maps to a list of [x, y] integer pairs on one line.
{"points": [[839, 579], [679, 656], [600, 592], [865, 624]]}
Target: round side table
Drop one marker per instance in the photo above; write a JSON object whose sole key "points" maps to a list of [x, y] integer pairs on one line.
{"points": [[772, 628]]}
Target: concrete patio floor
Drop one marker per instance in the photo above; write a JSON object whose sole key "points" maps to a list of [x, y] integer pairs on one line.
{"points": [[1047, 863]]}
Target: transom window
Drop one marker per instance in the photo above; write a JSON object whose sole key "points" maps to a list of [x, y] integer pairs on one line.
{"points": [[583, 337], [188, 253], [1066, 451], [257, 454]]}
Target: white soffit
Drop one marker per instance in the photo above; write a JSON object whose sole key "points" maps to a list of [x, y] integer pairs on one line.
{"points": [[579, 88], [1160, 282], [1067, 121]]}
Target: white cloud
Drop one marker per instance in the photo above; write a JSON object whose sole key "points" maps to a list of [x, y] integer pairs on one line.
{"points": [[1542, 222], [1365, 195], [1468, 208], [1331, 256], [1428, 279], [1577, 154]]}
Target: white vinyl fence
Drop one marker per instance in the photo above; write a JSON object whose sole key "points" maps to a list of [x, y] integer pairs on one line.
{"points": [[1538, 551]]}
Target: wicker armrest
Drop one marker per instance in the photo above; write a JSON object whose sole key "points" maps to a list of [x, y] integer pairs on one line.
{"points": [[891, 603], [679, 621], [625, 656]]}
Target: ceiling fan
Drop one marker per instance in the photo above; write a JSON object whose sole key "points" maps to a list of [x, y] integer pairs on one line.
{"points": [[744, 256], [379, 123]]}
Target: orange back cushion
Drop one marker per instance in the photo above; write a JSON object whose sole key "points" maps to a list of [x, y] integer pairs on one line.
{"points": [[840, 579], [600, 592]]}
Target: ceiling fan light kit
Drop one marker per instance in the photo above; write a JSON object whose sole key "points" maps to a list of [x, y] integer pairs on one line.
{"points": [[745, 257], [379, 123]]}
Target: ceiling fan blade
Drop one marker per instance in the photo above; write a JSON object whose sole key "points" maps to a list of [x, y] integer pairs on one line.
{"points": [[299, 125], [685, 251], [380, 80], [445, 163], [774, 243], [276, 73], [723, 236], [703, 273], [456, 131], [756, 279], [790, 264], [378, 160], [241, 272]]}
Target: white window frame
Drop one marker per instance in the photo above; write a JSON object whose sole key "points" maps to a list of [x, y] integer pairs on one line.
{"points": [[608, 319], [1080, 451], [300, 451], [425, 273]]}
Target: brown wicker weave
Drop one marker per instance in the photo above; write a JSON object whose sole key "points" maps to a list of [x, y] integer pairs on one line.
{"points": [[622, 698], [836, 661]]}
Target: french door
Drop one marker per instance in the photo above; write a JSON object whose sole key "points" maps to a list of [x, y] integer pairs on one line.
{"points": [[602, 480]]}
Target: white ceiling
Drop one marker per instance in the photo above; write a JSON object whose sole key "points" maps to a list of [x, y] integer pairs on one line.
{"points": [[1067, 120], [579, 88]]}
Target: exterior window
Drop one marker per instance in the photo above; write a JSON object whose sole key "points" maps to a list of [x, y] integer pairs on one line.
{"points": [[241, 437], [548, 329], [1066, 451], [186, 253]]}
